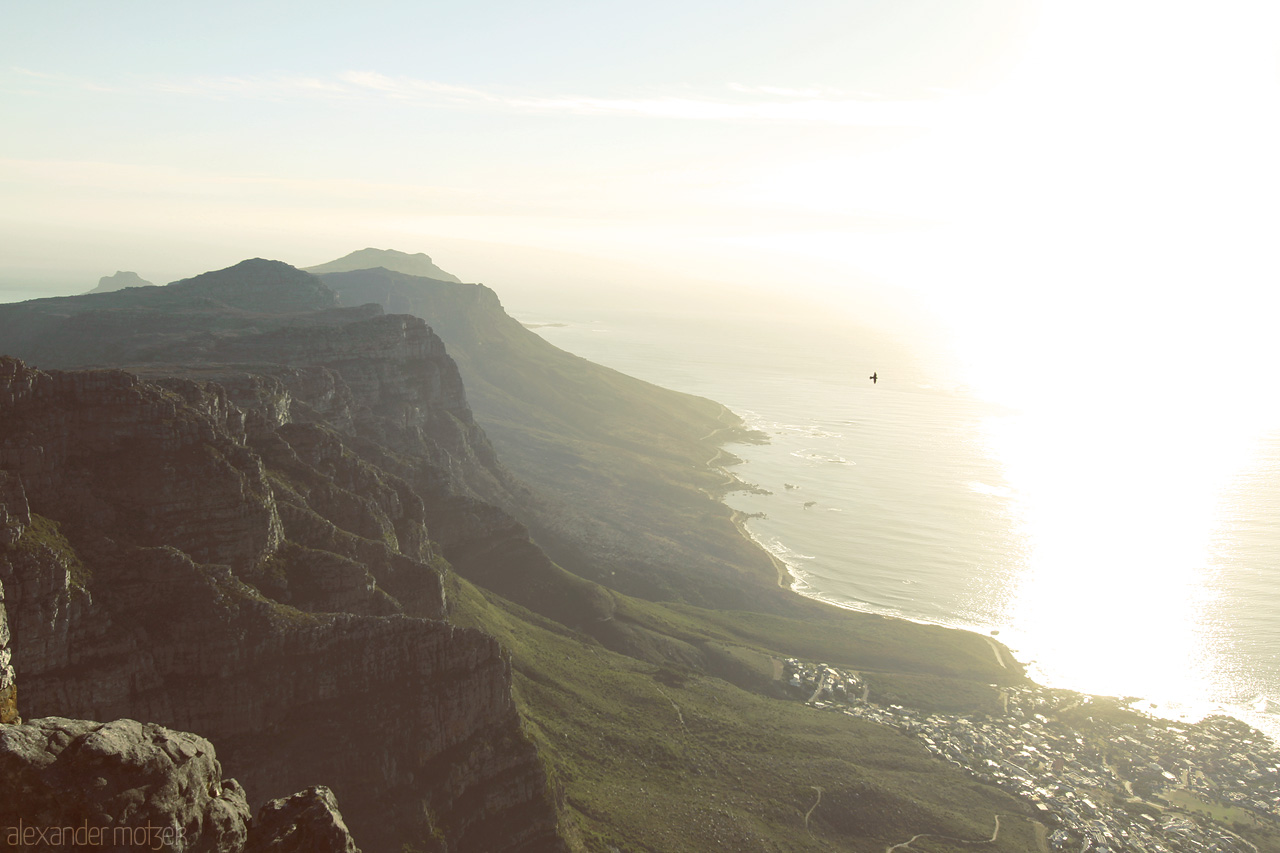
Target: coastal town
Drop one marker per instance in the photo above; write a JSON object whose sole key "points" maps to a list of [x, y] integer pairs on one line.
{"points": [[1098, 776]]}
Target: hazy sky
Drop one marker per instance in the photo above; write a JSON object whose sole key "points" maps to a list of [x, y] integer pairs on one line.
{"points": [[582, 126], [1108, 164]]}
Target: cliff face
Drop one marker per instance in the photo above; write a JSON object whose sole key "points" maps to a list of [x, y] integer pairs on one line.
{"points": [[401, 388], [117, 457], [188, 552]]}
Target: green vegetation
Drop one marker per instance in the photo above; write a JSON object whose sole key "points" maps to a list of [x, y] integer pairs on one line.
{"points": [[1222, 813], [933, 694], [626, 741], [823, 633]]}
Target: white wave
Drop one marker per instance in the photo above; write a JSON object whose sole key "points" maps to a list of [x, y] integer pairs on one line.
{"points": [[783, 553], [819, 456], [810, 430]]}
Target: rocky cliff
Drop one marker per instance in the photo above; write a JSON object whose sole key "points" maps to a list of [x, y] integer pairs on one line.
{"points": [[237, 558]]}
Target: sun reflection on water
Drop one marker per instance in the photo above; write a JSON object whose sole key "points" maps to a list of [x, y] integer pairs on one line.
{"points": [[1118, 509]]}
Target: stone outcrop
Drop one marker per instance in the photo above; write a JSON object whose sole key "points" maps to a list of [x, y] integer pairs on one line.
{"points": [[307, 822], [68, 784], [77, 784]]}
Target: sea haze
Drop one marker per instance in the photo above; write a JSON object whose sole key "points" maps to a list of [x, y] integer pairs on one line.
{"points": [[903, 497]]}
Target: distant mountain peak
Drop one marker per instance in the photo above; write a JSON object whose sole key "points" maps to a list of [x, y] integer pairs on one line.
{"points": [[367, 259], [120, 281], [261, 285]]}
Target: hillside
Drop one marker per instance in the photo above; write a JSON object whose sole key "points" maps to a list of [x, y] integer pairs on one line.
{"points": [[625, 495]]}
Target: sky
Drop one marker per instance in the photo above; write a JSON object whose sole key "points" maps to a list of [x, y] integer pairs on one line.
{"points": [[1040, 174], [603, 128]]}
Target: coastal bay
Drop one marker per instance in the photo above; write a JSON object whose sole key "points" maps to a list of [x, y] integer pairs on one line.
{"points": [[896, 500]]}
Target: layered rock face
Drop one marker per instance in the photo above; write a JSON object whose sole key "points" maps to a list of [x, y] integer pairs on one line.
{"points": [[117, 457], [75, 784], [224, 557]]}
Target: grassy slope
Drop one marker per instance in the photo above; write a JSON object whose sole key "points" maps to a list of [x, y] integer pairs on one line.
{"points": [[660, 758]]}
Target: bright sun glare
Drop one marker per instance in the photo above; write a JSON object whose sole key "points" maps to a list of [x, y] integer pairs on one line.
{"points": [[1111, 279]]}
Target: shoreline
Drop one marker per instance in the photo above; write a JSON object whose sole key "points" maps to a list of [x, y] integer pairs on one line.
{"points": [[786, 578], [1003, 654]]}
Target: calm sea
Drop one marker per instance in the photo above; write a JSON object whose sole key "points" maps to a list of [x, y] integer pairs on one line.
{"points": [[907, 497]]}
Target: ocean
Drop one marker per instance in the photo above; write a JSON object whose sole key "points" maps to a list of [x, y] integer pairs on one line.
{"points": [[1109, 556]]}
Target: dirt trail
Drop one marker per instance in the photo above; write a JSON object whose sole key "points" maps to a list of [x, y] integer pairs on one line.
{"points": [[995, 650], [903, 845], [811, 808]]}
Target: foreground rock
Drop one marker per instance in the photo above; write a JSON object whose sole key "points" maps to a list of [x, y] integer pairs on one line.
{"points": [[78, 784], [307, 822]]}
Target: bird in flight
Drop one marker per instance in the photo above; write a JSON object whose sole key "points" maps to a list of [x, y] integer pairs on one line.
{"points": [[873, 379]]}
